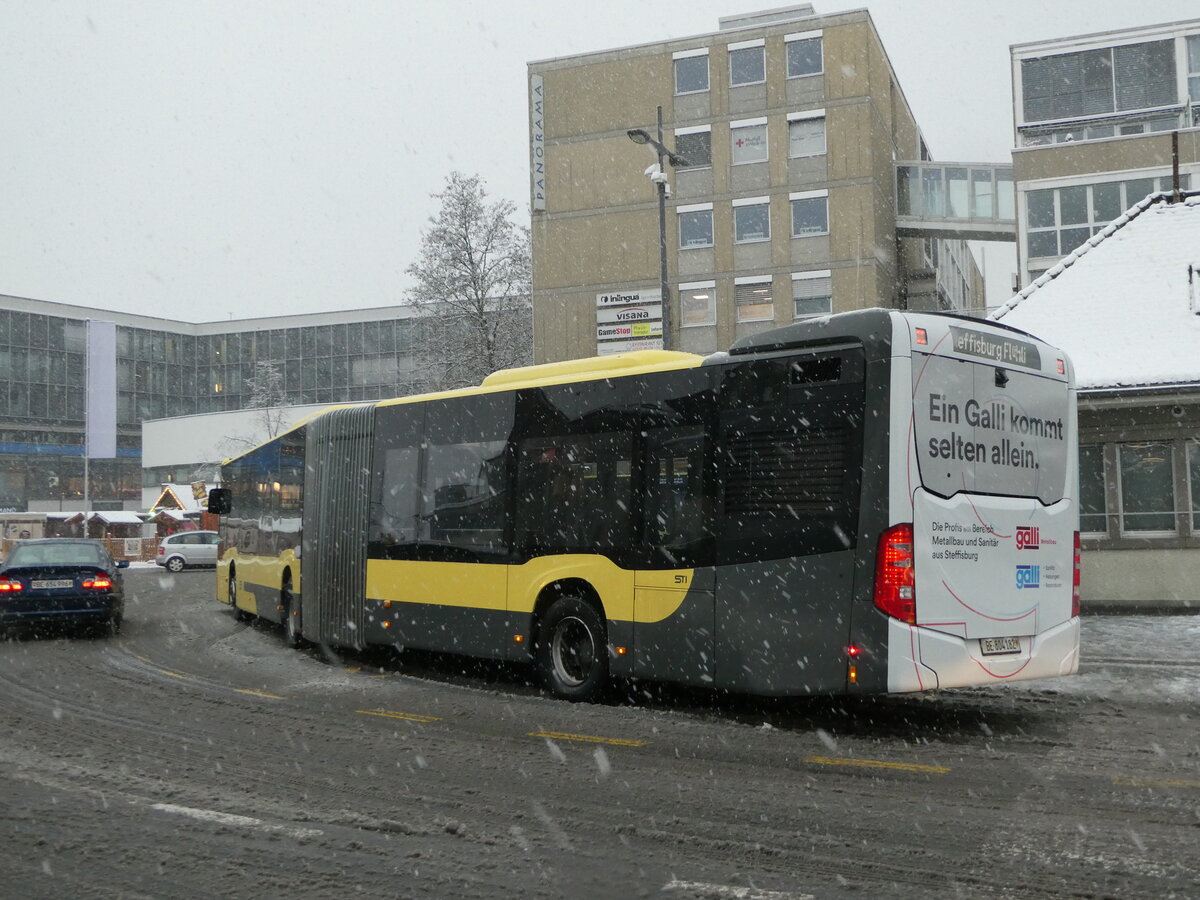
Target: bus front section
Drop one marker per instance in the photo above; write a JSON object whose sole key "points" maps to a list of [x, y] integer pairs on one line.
{"points": [[978, 573]]}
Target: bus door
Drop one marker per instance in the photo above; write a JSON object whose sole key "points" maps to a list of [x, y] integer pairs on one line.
{"points": [[674, 626]]}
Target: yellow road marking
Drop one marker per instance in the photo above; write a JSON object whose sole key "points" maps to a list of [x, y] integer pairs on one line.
{"points": [[1142, 781], [587, 739], [258, 694], [876, 764], [153, 664], [388, 714]]}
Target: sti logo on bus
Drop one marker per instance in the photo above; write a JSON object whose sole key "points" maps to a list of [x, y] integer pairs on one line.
{"points": [[1027, 537], [1029, 577]]}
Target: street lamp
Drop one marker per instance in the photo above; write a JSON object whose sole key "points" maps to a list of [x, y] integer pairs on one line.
{"points": [[656, 174]]}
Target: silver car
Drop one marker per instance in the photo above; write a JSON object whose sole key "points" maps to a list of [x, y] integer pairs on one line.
{"points": [[187, 548]]}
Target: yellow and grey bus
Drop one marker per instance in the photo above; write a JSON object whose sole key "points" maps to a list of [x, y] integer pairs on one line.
{"points": [[866, 502]]}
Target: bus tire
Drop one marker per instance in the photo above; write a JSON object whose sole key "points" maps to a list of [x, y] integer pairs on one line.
{"points": [[572, 650], [239, 614], [291, 615]]}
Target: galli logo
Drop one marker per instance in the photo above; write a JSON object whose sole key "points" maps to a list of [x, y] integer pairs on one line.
{"points": [[1029, 577], [1028, 537]]}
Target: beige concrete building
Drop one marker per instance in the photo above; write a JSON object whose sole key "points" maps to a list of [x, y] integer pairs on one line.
{"points": [[1100, 121], [791, 123]]}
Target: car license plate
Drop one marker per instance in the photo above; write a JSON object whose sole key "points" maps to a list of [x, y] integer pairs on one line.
{"points": [[54, 583], [998, 646]]}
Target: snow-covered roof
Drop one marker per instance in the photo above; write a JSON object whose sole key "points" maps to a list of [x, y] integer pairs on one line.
{"points": [[1125, 306], [179, 494], [117, 517]]}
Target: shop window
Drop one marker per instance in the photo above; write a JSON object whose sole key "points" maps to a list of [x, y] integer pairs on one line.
{"points": [[1093, 507], [1194, 483], [1147, 487]]}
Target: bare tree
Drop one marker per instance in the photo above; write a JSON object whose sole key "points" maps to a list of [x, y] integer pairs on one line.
{"points": [[269, 397], [473, 284]]}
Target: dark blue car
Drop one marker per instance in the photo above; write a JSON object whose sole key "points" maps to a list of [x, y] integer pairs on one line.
{"points": [[60, 580]]}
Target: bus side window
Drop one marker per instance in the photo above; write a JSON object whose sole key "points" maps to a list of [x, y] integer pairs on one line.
{"points": [[677, 507], [464, 502], [394, 520], [575, 492]]}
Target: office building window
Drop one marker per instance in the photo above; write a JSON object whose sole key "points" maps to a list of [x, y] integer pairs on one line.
{"points": [[747, 63], [812, 293], [691, 72], [1093, 507], [1059, 220], [1144, 75], [748, 141], [1147, 487], [695, 226], [804, 56], [695, 145], [806, 134], [698, 304], [753, 299], [1096, 82], [810, 213], [752, 220]]}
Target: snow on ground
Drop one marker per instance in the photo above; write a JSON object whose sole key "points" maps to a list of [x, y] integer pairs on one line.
{"points": [[1126, 657], [1123, 657]]}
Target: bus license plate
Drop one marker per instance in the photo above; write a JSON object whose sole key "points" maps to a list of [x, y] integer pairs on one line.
{"points": [[55, 583], [997, 646]]}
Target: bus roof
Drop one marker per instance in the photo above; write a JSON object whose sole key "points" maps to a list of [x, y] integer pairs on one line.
{"points": [[617, 365], [635, 362]]}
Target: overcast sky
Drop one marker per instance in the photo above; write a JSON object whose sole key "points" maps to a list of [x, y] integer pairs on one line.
{"points": [[201, 159]]}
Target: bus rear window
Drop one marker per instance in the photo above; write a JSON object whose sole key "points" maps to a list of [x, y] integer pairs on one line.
{"points": [[988, 429]]}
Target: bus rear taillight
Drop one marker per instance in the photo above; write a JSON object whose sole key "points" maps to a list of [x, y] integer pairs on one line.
{"points": [[895, 588], [1075, 584]]}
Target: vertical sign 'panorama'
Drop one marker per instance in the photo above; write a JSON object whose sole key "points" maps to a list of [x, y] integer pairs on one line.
{"points": [[537, 131]]}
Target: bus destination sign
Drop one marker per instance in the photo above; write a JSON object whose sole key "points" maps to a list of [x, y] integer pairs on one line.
{"points": [[1003, 351]]}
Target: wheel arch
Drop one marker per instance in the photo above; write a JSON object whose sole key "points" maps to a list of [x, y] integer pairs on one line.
{"points": [[564, 587]]}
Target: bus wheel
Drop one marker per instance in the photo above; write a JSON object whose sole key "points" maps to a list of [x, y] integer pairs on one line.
{"points": [[239, 614], [572, 650], [291, 616]]}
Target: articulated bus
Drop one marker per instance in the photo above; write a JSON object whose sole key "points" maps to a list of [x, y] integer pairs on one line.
{"points": [[875, 501]]}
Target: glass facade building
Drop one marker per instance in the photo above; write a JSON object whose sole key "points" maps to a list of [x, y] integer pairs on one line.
{"points": [[170, 368], [1101, 121]]}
